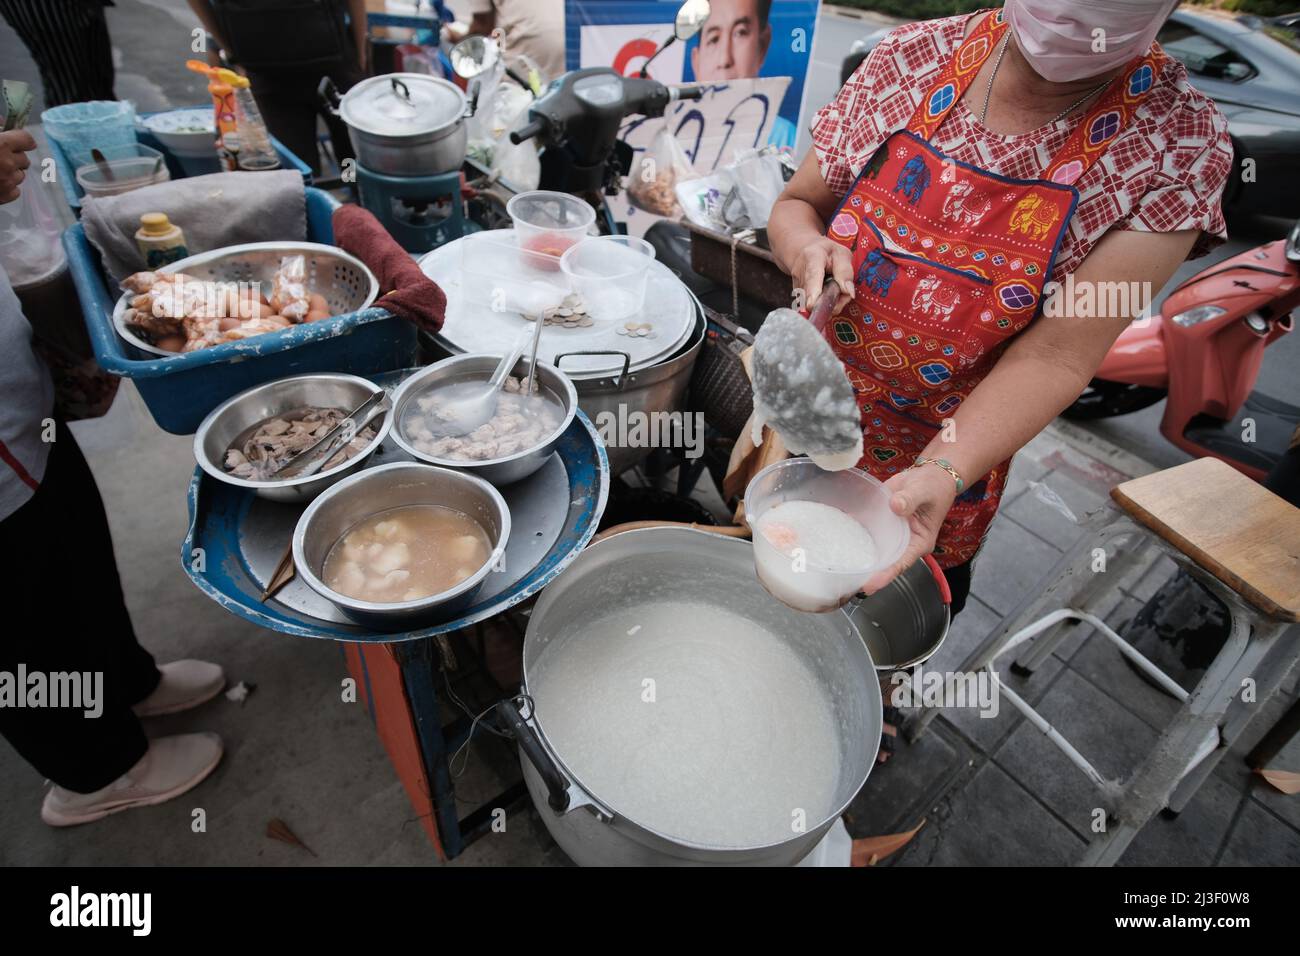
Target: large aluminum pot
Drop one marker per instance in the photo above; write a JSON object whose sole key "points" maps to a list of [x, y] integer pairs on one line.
{"points": [[403, 124], [658, 388], [697, 566]]}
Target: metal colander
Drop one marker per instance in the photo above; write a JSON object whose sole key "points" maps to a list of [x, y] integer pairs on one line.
{"points": [[342, 279]]}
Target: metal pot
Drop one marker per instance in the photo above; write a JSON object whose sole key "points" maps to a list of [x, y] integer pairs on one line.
{"points": [[905, 622], [658, 388], [403, 124], [704, 567]]}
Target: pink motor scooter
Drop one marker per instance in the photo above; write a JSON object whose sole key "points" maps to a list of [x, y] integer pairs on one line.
{"points": [[1203, 351]]}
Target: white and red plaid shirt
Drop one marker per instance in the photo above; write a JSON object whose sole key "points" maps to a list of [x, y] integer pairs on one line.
{"points": [[1164, 173]]}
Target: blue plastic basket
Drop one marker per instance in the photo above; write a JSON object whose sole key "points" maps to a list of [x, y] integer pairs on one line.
{"points": [[72, 191], [180, 391]]}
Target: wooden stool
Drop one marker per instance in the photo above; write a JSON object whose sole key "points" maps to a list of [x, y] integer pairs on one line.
{"points": [[1235, 537]]}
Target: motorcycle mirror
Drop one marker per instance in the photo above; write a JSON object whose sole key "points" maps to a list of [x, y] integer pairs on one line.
{"points": [[473, 55], [690, 18]]}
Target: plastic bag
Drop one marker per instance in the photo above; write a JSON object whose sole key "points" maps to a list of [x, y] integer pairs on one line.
{"points": [[703, 200], [758, 177], [653, 183], [31, 248], [289, 288]]}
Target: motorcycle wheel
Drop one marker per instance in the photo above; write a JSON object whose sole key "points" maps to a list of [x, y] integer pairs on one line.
{"points": [[1103, 399]]}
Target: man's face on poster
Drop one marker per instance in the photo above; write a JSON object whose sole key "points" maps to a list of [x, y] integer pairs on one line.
{"points": [[734, 41]]}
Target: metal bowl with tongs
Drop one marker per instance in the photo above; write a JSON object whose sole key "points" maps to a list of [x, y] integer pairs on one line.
{"points": [[232, 423]]}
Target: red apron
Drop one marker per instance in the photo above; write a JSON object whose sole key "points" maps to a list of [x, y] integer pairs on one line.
{"points": [[950, 262]]}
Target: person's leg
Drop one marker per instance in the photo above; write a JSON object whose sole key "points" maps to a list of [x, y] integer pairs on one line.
{"points": [[78, 622], [69, 41], [959, 584]]}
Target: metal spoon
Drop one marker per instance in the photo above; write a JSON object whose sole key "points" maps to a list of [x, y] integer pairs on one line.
{"points": [[800, 386], [475, 408]]}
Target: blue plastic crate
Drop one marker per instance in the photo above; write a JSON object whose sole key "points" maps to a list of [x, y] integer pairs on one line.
{"points": [[73, 192], [180, 391]]}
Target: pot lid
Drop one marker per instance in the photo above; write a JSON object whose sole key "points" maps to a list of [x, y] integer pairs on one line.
{"points": [[473, 325], [402, 104]]}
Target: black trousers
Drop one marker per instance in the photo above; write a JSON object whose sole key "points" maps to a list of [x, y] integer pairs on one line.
{"points": [[65, 577], [68, 39], [959, 584]]}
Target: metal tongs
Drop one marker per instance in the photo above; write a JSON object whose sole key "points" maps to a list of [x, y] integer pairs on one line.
{"points": [[335, 439]]}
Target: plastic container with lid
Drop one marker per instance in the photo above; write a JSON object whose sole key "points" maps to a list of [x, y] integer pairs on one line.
{"points": [[549, 223], [610, 274], [798, 579], [125, 168]]}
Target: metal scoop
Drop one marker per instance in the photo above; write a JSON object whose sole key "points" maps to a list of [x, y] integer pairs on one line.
{"points": [[476, 407], [801, 389]]}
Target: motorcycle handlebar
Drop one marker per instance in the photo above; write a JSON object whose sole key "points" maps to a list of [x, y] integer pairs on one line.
{"points": [[528, 131], [686, 92]]}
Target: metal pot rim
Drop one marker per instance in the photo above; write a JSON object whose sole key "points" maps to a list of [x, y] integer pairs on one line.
{"points": [[614, 814]]}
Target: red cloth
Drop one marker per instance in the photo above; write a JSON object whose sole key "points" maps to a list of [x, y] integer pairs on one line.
{"points": [[404, 290]]}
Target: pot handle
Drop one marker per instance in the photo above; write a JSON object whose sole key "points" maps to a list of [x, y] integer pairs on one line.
{"points": [[940, 579], [329, 95], [622, 376], [557, 786]]}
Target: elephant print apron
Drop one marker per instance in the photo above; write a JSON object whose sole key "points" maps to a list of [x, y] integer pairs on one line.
{"points": [[950, 262]]}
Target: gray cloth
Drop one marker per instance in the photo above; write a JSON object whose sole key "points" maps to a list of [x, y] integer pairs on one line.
{"points": [[223, 209], [28, 405]]}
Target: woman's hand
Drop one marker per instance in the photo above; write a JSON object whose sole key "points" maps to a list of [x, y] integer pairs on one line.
{"points": [[923, 496], [818, 259]]}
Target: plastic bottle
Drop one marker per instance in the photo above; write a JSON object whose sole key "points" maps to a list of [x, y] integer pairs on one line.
{"points": [[159, 241], [255, 149]]}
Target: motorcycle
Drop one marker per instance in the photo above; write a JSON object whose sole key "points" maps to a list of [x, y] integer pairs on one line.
{"points": [[1203, 353], [576, 119]]}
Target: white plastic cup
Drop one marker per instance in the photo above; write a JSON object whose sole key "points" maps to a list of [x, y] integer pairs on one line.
{"points": [[801, 583], [610, 273]]}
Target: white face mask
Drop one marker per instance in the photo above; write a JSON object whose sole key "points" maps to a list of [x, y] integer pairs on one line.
{"points": [[1066, 40]]}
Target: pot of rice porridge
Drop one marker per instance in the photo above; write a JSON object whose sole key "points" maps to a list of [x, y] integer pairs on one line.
{"points": [[676, 713]]}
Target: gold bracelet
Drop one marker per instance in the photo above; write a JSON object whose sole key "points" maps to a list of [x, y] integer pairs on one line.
{"points": [[946, 465]]}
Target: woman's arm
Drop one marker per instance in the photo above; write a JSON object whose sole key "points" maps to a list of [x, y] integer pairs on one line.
{"points": [[1042, 371], [796, 230]]}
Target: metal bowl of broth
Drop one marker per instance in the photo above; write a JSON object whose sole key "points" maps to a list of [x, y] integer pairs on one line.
{"points": [[387, 490]]}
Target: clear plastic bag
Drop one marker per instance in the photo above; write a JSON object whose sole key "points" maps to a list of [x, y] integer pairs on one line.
{"points": [[30, 245], [653, 183]]}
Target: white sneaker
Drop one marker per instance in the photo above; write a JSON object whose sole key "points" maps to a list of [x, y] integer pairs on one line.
{"points": [[184, 684], [170, 767]]}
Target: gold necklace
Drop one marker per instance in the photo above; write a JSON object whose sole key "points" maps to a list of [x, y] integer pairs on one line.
{"points": [[988, 90]]}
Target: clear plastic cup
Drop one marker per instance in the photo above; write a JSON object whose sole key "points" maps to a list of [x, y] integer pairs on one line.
{"points": [[795, 578], [610, 273], [548, 223]]}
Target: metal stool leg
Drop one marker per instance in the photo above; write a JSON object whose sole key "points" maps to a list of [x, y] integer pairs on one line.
{"points": [[1072, 584], [1180, 747]]}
